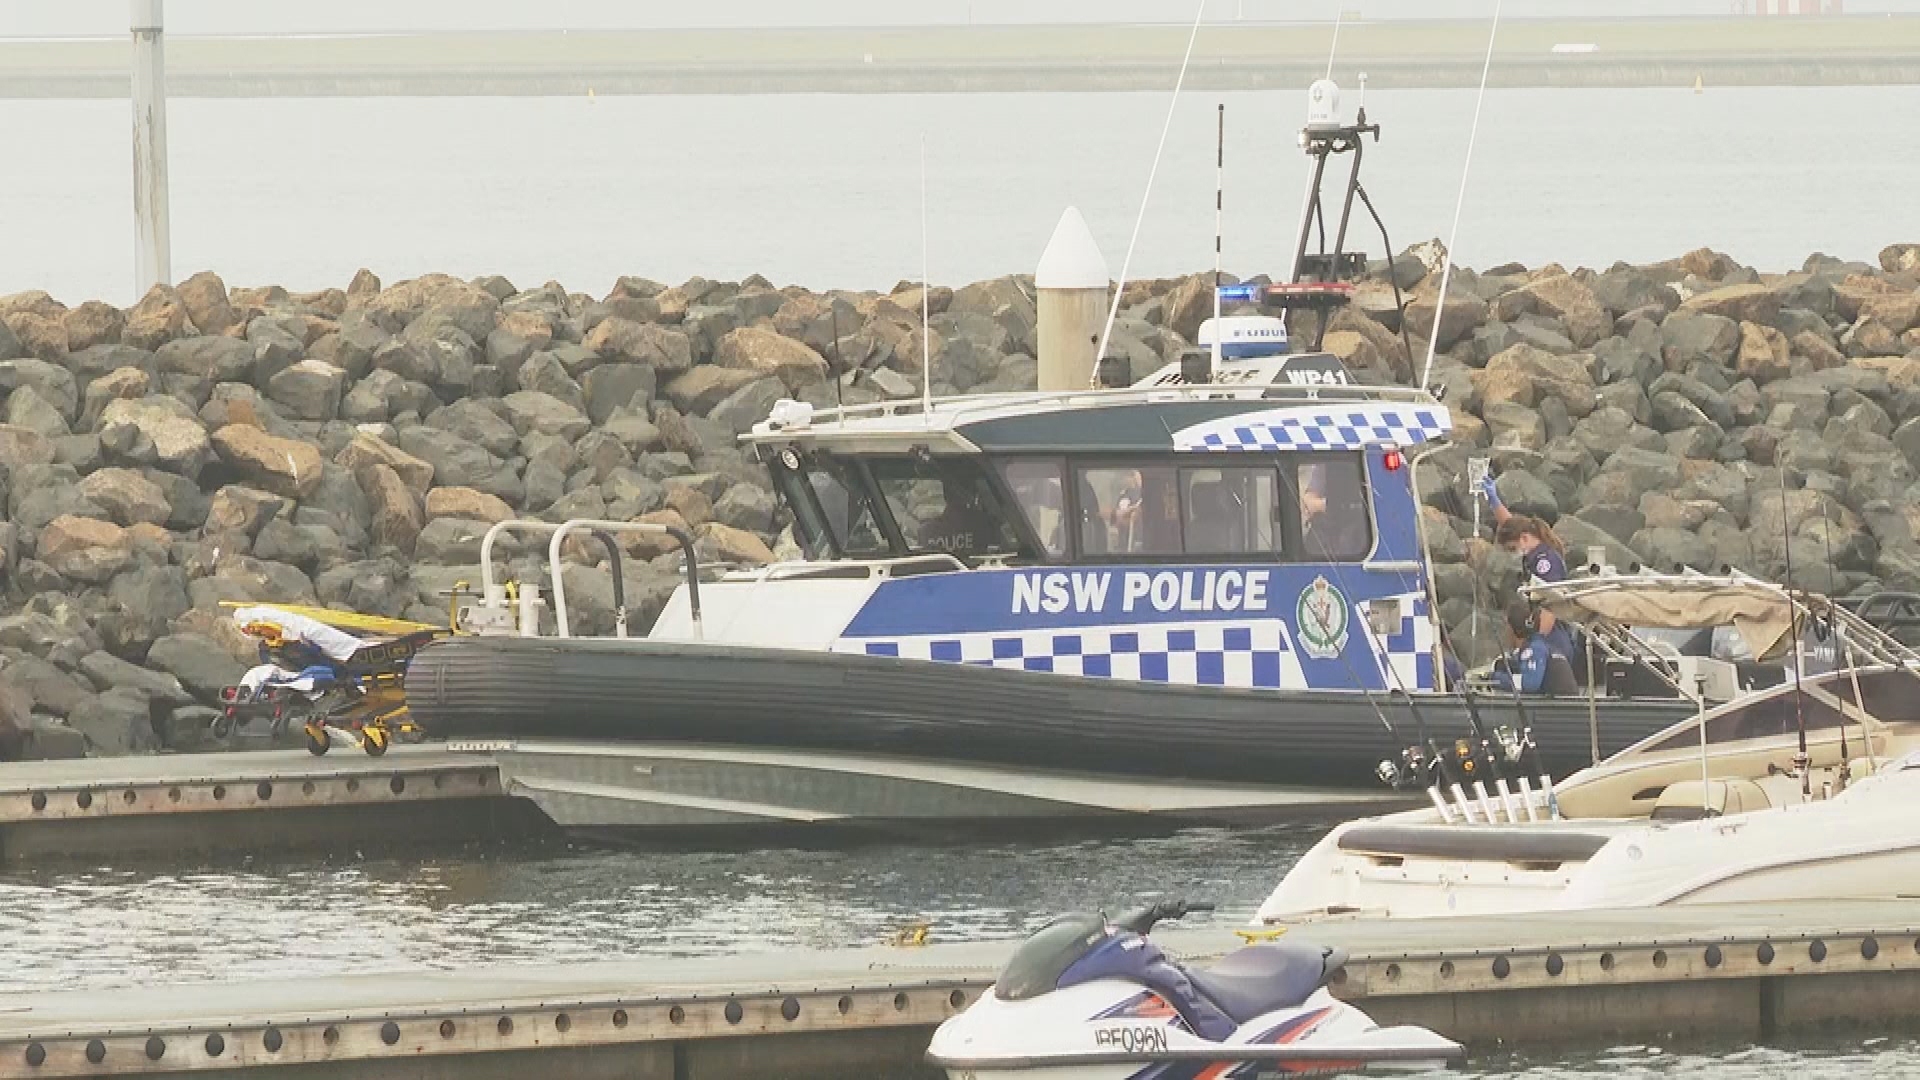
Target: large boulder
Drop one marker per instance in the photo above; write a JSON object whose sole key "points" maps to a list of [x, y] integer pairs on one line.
{"points": [[698, 391], [310, 389], [207, 359], [747, 406], [756, 349], [26, 408], [620, 385], [397, 517], [1690, 337], [450, 541], [1764, 353], [467, 306], [364, 451], [1741, 303], [283, 466], [205, 297], [1570, 300], [158, 318], [467, 503], [533, 411], [85, 549], [53, 383], [239, 509], [665, 350], [1458, 317], [481, 422], [115, 724], [724, 543], [20, 447], [127, 496], [1526, 375], [458, 461], [163, 426]]}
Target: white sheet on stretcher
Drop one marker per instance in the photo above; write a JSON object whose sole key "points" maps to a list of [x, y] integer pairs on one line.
{"points": [[271, 675], [336, 643]]}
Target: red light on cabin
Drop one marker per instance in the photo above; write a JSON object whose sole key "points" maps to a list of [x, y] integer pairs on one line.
{"points": [[1392, 460]]}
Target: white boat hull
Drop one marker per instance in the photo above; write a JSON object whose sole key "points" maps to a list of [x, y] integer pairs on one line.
{"points": [[1863, 843]]}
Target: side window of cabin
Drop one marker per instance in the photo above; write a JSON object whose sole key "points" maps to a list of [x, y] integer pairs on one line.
{"points": [[1229, 511], [1038, 488], [1129, 510], [1333, 507]]}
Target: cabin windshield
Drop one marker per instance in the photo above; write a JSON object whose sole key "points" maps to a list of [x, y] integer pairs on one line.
{"points": [[874, 507], [944, 505]]}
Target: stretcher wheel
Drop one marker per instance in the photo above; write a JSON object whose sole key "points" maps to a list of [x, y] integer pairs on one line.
{"points": [[317, 741], [374, 741]]}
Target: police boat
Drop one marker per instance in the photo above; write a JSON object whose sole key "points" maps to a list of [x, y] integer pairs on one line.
{"points": [[1089, 999], [1214, 574]]}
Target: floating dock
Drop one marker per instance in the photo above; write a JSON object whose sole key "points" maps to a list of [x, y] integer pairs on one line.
{"points": [[242, 803], [1745, 971], [279, 801]]}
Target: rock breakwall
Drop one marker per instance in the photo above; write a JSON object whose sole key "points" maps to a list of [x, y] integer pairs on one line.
{"points": [[349, 447]]}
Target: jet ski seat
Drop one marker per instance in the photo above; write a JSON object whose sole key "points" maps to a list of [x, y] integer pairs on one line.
{"points": [[1261, 978]]}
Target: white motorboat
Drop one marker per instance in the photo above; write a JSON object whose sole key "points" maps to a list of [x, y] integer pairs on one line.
{"points": [[1805, 789]]}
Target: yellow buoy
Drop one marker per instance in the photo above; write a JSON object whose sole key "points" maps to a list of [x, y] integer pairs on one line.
{"points": [[589, 95], [1698, 85]]}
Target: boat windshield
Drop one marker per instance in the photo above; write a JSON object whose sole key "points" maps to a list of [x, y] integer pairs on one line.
{"points": [[872, 507]]}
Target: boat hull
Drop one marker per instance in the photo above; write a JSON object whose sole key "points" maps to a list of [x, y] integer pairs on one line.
{"points": [[653, 691]]}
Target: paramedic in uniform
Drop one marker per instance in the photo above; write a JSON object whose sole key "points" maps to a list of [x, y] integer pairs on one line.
{"points": [[1534, 666], [1542, 559]]}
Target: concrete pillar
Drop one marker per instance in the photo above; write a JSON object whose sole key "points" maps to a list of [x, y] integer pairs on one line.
{"points": [[153, 247], [1072, 283]]}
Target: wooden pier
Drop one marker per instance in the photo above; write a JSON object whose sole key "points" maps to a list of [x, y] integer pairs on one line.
{"points": [[279, 800], [1746, 971]]}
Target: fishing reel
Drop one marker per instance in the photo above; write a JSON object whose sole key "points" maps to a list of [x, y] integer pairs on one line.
{"points": [[1406, 771], [1514, 745]]}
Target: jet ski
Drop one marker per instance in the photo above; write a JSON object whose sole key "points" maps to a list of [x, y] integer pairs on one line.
{"points": [[1089, 999]]}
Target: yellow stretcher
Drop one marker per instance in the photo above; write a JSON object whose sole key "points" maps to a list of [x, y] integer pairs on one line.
{"points": [[333, 672]]}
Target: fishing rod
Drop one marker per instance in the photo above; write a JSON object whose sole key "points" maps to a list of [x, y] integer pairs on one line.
{"points": [[1802, 761], [1833, 630], [1417, 761]]}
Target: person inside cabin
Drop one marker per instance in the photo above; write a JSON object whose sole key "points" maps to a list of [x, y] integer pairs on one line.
{"points": [[963, 525], [1333, 513], [1124, 516], [1532, 666], [1158, 528]]}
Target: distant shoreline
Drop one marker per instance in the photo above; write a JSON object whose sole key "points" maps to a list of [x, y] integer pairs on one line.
{"points": [[1778, 51]]}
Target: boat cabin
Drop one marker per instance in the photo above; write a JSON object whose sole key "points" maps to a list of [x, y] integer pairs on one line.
{"points": [[1235, 531]]}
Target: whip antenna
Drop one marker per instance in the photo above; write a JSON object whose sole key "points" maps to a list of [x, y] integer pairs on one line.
{"points": [[1333, 50], [926, 322], [1446, 261], [1126, 264], [1219, 210]]}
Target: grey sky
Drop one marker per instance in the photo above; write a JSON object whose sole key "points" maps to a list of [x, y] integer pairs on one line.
{"points": [[63, 18]]}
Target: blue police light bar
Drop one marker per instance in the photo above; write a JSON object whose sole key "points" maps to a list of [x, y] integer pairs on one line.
{"points": [[1240, 294]]}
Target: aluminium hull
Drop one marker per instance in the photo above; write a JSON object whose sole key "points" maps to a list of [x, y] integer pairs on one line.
{"points": [[653, 691]]}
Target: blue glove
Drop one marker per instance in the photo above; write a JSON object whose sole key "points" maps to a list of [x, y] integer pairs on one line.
{"points": [[1489, 492]]}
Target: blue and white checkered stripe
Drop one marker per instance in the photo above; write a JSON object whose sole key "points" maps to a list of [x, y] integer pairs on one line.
{"points": [[1409, 649], [1256, 654], [1318, 427]]}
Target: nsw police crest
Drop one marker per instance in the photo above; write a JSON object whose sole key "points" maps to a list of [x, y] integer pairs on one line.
{"points": [[1322, 618]]}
